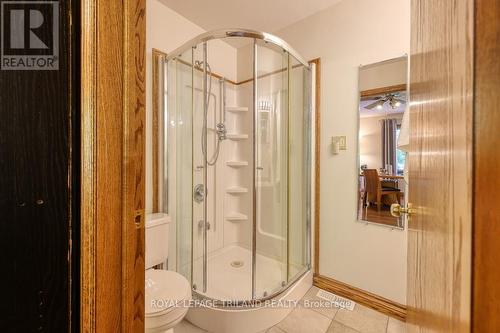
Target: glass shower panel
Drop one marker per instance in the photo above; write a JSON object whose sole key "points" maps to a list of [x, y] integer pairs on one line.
{"points": [[271, 169], [180, 132], [299, 170], [207, 159]]}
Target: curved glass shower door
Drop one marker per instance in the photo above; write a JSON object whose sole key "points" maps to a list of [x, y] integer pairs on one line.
{"points": [[239, 167]]}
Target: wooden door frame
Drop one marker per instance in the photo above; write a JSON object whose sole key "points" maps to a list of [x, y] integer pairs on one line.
{"points": [[486, 219], [112, 170]]}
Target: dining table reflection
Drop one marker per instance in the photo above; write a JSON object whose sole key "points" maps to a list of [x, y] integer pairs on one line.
{"points": [[377, 192]]}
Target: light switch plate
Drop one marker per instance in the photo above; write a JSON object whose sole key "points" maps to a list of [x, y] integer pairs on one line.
{"points": [[342, 142]]}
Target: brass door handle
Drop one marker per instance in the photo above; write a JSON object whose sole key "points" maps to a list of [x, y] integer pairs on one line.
{"points": [[397, 210]]}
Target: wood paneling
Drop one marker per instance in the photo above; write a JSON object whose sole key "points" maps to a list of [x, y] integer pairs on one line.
{"points": [[38, 167], [365, 298], [113, 103], [486, 276], [439, 234]]}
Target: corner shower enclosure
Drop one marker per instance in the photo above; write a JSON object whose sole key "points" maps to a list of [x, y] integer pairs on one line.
{"points": [[237, 159]]}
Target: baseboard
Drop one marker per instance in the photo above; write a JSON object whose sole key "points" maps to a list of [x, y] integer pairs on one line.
{"points": [[362, 297]]}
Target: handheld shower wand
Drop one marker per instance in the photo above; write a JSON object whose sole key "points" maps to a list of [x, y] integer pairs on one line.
{"points": [[220, 127]]}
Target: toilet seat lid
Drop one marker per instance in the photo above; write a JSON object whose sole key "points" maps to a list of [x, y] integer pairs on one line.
{"points": [[163, 290]]}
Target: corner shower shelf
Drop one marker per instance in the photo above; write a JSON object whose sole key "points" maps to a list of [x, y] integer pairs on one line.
{"points": [[236, 217], [236, 164], [236, 190], [236, 108], [237, 137]]}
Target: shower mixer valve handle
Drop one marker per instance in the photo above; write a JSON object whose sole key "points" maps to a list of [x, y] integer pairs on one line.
{"points": [[221, 131], [199, 193]]}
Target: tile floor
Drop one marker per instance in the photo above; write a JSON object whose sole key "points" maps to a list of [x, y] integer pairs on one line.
{"points": [[324, 320]]}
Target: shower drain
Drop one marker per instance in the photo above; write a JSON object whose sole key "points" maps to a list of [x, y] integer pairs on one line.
{"points": [[237, 263]]}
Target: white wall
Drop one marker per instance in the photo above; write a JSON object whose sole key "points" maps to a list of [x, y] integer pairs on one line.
{"points": [[344, 36], [166, 30]]}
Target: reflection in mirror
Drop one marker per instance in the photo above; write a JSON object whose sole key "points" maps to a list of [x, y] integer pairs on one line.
{"points": [[383, 123]]}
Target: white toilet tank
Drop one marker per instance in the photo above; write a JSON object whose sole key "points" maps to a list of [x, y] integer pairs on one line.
{"points": [[157, 227]]}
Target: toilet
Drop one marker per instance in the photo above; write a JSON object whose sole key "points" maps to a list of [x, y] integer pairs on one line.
{"points": [[163, 289]]}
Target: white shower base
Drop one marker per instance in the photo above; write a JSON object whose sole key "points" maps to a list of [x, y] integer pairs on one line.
{"points": [[226, 280], [249, 320]]}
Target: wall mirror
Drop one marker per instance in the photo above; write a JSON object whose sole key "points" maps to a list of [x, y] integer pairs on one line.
{"points": [[382, 141]]}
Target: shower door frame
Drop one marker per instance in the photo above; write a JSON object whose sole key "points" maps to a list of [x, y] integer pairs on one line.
{"points": [[268, 38]]}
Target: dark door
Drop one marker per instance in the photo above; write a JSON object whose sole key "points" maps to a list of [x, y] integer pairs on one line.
{"points": [[39, 152]]}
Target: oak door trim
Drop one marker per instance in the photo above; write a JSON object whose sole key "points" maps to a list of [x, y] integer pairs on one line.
{"points": [[373, 301], [112, 175], [88, 167], [317, 165], [486, 272], [156, 56], [133, 165]]}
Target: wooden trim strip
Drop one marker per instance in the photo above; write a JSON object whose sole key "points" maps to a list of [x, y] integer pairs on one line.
{"points": [[157, 55], [213, 74], [317, 164], [486, 226], [362, 297], [101, 155], [88, 213], [383, 90], [133, 165], [246, 81], [109, 169], [159, 52], [269, 74]]}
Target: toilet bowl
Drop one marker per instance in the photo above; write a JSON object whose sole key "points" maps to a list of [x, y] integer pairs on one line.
{"points": [[167, 293], [167, 299]]}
